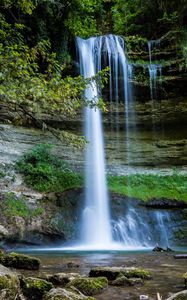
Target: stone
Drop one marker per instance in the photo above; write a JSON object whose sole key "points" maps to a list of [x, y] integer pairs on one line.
{"points": [[3, 231], [89, 286], [122, 280], [64, 294], [182, 295], [72, 265], [111, 273], [34, 288], [21, 261], [184, 276], [62, 278], [9, 283]]}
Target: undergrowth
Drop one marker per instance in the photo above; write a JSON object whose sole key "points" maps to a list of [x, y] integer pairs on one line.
{"points": [[148, 186], [44, 172], [14, 206]]}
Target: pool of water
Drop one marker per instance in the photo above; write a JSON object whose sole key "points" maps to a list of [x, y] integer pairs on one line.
{"points": [[166, 271]]}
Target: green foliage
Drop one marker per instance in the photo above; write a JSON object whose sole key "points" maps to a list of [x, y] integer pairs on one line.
{"points": [[82, 20], [45, 172], [147, 186], [14, 206]]}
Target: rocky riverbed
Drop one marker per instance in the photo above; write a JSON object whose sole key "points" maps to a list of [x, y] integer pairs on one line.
{"points": [[78, 276]]}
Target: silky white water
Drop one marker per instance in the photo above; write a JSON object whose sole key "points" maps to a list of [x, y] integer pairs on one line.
{"points": [[155, 70], [96, 228], [132, 229]]}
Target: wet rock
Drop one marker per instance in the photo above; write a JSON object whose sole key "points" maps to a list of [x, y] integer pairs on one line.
{"points": [[62, 278], [89, 286], [121, 281], [3, 231], [179, 296], [165, 203], [64, 294], [111, 273], [185, 279], [34, 288], [72, 265], [21, 261], [9, 283]]}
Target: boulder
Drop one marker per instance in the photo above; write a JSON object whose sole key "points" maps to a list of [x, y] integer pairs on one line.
{"points": [[122, 280], [62, 278], [34, 288], [9, 284], [21, 261], [185, 279], [111, 273], [64, 294], [179, 296], [89, 286]]}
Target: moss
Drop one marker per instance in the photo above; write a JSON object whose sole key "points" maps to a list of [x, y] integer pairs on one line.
{"points": [[136, 273], [89, 286], [111, 273], [34, 288], [65, 294], [147, 186], [10, 282], [121, 280], [185, 279], [2, 257], [21, 261]]}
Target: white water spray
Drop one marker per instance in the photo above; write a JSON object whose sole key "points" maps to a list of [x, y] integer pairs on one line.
{"points": [[96, 228]]}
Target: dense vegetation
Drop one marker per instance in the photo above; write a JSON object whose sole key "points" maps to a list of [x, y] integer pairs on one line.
{"points": [[36, 39], [147, 186], [45, 172]]}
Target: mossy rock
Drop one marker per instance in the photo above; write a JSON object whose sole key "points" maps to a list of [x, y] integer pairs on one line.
{"points": [[2, 256], [21, 261], [111, 273], [62, 278], [35, 288], [89, 286], [121, 281], [9, 281], [64, 294], [185, 279], [182, 295]]}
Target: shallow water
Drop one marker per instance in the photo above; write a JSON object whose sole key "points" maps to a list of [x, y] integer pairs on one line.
{"points": [[166, 271]]}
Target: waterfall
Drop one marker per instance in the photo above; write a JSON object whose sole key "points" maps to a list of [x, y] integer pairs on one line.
{"points": [[96, 228], [155, 70], [98, 231]]}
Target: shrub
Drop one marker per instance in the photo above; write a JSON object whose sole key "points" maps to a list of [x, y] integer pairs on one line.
{"points": [[45, 172]]}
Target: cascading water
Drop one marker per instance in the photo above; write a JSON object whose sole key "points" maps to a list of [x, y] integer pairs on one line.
{"points": [[154, 69], [96, 227], [98, 230], [94, 53]]}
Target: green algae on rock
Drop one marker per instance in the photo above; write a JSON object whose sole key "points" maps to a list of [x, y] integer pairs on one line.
{"points": [[64, 294], [34, 288], [111, 273], [9, 281], [21, 261], [89, 286]]}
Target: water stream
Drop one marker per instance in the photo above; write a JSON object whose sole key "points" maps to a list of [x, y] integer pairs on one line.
{"points": [[98, 230]]}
